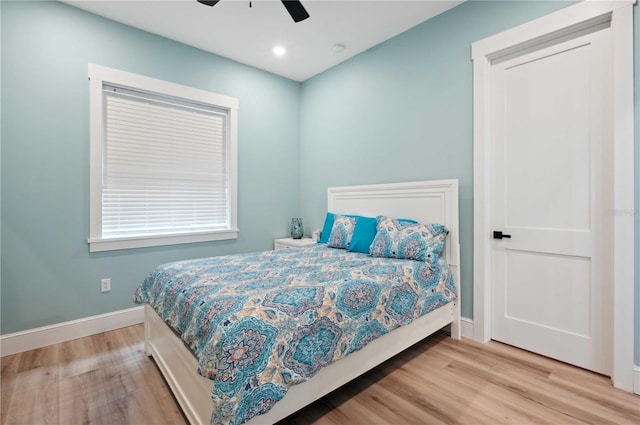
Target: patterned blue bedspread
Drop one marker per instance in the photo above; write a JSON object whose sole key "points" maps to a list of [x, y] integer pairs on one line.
{"points": [[260, 323]]}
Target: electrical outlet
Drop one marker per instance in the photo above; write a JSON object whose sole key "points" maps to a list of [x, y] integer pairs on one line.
{"points": [[105, 285]]}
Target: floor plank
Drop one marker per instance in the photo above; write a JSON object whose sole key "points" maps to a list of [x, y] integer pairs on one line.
{"points": [[107, 379], [8, 373]]}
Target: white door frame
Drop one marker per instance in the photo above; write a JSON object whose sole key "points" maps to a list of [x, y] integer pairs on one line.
{"points": [[619, 15]]}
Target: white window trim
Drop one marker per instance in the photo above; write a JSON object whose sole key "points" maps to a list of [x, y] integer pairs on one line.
{"points": [[98, 75]]}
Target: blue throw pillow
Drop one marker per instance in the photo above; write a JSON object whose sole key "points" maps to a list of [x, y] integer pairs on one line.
{"points": [[326, 229], [363, 234]]}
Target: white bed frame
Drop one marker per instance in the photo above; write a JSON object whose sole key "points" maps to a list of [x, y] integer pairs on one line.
{"points": [[425, 201]]}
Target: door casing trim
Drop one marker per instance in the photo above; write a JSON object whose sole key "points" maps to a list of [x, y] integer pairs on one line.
{"points": [[619, 14]]}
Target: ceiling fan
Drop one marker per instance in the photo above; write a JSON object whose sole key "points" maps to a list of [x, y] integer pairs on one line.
{"points": [[294, 7]]}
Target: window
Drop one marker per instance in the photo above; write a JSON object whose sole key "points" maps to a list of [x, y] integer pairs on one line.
{"points": [[163, 162]]}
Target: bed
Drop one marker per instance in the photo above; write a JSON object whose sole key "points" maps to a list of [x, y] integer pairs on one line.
{"points": [[426, 202]]}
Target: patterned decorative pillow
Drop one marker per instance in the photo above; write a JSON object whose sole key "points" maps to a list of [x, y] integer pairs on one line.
{"points": [[341, 232], [396, 239]]}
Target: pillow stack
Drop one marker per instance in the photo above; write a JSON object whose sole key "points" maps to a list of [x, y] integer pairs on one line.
{"points": [[385, 237]]}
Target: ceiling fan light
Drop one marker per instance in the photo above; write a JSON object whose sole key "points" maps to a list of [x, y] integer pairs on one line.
{"points": [[294, 7], [296, 10]]}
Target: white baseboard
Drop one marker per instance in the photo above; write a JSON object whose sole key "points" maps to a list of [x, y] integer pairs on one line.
{"points": [[60, 332], [466, 327], [636, 380]]}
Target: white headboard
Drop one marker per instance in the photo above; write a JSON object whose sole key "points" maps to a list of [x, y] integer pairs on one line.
{"points": [[434, 201]]}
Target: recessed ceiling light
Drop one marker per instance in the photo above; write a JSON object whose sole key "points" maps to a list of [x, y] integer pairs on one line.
{"points": [[279, 51]]}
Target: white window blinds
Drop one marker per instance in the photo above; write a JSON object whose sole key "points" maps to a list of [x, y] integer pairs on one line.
{"points": [[164, 167]]}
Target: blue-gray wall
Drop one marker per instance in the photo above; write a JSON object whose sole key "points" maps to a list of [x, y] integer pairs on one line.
{"points": [[403, 111], [48, 274]]}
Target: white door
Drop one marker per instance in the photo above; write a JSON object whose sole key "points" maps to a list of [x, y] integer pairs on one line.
{"points": [[551, 154]]}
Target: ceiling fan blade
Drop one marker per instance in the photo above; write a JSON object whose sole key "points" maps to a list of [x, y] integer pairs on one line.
{"points": [[295, 9], [209, 2]]}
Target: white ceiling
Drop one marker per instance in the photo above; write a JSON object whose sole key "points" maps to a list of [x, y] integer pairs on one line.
{"points": [[234, 30]]}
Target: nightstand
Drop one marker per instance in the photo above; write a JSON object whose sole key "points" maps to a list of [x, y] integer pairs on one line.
{"points": [[285, 243]]}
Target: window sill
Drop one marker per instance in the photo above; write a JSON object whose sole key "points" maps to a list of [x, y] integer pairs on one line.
{"points": [[112, 244]]}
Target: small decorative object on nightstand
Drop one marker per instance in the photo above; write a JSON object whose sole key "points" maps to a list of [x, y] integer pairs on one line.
{"points": [[285, 243], [296, 228]]}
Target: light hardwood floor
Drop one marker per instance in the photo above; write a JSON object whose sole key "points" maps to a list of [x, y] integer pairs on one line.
{"points": [[107, 379]]}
